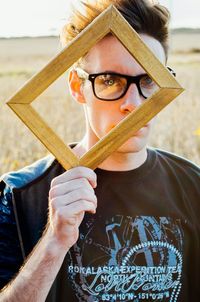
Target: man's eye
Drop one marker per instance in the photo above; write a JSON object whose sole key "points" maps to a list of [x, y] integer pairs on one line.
{"points": [[109, 82], [146, 81]]}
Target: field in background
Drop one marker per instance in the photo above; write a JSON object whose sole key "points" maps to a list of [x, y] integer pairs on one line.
{"points": [[21, 58]]}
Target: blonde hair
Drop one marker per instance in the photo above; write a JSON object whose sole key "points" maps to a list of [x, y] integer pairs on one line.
{"points": [[145, 16]]}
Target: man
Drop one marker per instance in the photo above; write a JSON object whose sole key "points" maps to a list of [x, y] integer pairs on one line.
{"points": [[128, 231]]}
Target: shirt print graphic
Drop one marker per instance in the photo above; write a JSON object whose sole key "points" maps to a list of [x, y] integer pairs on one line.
{"points": [[127, 259]]}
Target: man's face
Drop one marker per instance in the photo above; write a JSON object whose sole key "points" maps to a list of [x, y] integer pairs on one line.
{"points": [[110, 55]]}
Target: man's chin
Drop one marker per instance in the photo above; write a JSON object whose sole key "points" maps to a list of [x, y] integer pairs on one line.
{"points": [[133, 145]]}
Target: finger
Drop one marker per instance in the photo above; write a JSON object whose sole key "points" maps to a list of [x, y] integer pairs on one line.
{"points": [[69, 186], [75, 173], [72, 197], [75, 209]]}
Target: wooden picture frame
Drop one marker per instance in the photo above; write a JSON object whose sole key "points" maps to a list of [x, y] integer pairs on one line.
{"points": [[108, 21]]}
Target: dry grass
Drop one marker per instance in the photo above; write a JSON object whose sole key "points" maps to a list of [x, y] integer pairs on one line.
{"points": [[21, 58]]}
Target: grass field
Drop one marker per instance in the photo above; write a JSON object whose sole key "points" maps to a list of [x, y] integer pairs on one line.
{"points": [[21, 58]]}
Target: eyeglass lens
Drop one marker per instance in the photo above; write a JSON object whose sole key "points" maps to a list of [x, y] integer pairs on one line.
{"points": [[109, 86]]}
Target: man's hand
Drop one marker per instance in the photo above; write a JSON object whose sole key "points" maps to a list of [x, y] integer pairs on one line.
{"points": [[71, 195]]}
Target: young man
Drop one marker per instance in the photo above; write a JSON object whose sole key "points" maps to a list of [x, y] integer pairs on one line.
{"points": [[128, 231]]}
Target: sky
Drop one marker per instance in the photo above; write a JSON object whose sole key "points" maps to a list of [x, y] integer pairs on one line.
{"points": [[46, 17]]}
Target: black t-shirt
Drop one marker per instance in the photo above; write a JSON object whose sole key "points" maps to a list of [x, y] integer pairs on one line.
{"points": [[143, 244]]}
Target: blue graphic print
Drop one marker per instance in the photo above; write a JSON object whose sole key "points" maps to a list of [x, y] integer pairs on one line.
{"points": [[128, 259]]}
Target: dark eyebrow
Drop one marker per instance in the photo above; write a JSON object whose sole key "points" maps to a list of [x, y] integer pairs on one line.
{"points": [[109, 71]]}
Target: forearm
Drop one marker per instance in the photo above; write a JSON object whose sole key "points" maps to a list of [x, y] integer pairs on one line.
{"points": [[71, 195], [35, 278]]}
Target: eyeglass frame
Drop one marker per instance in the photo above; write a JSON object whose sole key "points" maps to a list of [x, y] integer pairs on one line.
{"points": [[130, 80]]}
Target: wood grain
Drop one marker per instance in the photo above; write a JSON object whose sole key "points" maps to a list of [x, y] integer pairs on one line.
{"points": [[139, 50], [127, 127], [46, 135], [65, 59], [109, 21]]}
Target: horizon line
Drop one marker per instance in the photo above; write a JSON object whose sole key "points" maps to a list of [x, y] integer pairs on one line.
{"points": [[51, 35]]}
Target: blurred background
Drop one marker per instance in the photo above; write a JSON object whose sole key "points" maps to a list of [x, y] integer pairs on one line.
{"points": [[29, 38]]}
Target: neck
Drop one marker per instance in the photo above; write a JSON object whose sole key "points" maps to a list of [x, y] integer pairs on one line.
{"points": [[117, 161]]}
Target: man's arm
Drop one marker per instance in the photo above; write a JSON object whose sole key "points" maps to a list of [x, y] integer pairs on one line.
{"points": [[71, 194], [35, 278]]}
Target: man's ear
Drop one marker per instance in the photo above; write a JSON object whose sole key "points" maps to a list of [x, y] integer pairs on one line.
{"points": [[75, 85]]}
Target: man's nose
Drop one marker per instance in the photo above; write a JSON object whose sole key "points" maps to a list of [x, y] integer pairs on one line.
{"points": [[131, 100]]}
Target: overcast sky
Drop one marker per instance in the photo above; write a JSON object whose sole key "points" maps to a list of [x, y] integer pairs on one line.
{"points": [[46, 17]]}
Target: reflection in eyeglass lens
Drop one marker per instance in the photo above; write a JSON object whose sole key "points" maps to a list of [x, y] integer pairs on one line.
{"points": [[110, 86], [147, 86]]}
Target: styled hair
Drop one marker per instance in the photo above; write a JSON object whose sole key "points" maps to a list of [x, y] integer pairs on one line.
{"points": [[145, 16]]}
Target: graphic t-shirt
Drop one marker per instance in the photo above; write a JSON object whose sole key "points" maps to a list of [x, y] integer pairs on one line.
{"points": [[143, 242]]}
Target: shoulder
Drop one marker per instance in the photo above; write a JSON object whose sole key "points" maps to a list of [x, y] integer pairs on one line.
{"points": [[22, 177], [177, 161], [178, 168], [27, 175], [19, 179]]}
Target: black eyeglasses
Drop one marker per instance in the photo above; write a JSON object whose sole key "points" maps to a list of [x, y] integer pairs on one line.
{"points": [[111, 86]]}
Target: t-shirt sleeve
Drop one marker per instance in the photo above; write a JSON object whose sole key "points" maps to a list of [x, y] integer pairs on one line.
{"points": [[10, 251]]}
